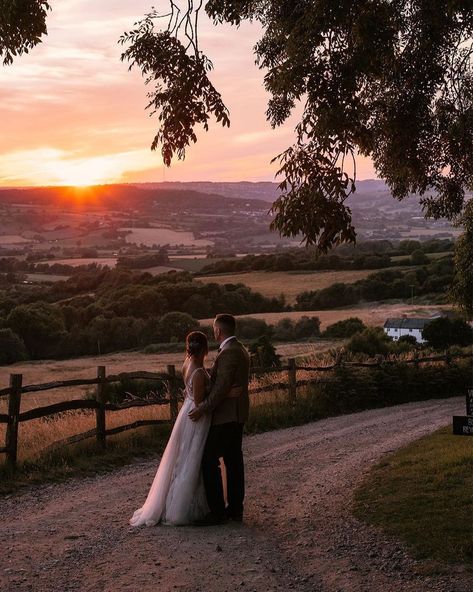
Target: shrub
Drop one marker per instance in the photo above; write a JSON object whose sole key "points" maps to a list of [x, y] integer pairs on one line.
{"points": [[40, 325], [117, 392], [390, 384], [371, 341], [284, 330], [443, 332], [408, 339], [250, 328], [307, 327], [418, 257], [174, 326], [345, 328], [12, 347], [264, 354]]}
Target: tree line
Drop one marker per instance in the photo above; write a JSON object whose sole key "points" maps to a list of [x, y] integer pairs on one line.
{"points": [[103, 311], [431, 279], [366, 255]]}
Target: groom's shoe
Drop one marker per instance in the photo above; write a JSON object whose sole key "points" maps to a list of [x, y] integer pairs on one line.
{"points": [[211, 519]]}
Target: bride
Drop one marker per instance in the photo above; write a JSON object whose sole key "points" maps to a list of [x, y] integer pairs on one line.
{"points": [[177, 494]]}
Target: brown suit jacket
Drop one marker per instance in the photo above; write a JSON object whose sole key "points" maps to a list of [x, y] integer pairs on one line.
{"points": [[231, 368]]}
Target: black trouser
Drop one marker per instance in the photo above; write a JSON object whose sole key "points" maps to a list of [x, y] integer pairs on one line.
{"points": [[224, 441]]}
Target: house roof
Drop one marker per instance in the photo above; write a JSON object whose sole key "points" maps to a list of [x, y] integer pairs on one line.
{"points": [[406, 323]]}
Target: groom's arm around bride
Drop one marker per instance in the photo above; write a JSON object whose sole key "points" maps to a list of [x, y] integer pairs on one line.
{"points": [[229, 375]]}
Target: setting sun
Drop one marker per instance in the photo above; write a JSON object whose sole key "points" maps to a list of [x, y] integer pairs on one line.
{"points": [[84, 172]]}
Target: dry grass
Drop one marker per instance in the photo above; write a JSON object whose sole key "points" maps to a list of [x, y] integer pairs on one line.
{"points": [[289, 283], [370, 314], [430, 232], [79, 261], [37, 435], [45, 277], [86, 367], [270, 410], [163, 236], [431, 256]]}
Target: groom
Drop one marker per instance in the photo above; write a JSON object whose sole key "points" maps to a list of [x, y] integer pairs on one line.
{"points": [[229, 408]]}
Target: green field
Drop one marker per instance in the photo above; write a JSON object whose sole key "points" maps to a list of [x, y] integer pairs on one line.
{"points": [[163, 236]]}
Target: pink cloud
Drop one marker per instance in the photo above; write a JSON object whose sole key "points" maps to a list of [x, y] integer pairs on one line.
{"points": [[72, 96]]}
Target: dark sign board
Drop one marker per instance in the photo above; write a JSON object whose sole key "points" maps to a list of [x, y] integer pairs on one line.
{"points": [[469, 402], [462, 425]]}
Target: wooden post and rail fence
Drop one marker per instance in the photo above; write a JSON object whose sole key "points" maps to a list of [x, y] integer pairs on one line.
{"points": [[16, 389]]}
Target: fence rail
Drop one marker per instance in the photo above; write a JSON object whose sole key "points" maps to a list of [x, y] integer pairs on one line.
{"points": [[171, 380]]}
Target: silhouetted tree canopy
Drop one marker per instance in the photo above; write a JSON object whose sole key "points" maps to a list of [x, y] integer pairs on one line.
{"points": [[388, 79], [462, 286], [22, 24]]}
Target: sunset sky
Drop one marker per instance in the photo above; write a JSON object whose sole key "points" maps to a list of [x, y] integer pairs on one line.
{"points": [[73, 114]]}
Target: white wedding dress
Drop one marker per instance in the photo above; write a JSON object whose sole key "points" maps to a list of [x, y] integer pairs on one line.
{"points": [[177, 494]]}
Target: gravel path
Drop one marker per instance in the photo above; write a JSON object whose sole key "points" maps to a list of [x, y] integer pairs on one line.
{"points": [[298, 533]]}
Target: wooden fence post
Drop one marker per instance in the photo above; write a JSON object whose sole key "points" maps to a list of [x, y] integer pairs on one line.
{"points": [[292, 379], [14, 403], [448, 357], [100, 411], [173, 402]]}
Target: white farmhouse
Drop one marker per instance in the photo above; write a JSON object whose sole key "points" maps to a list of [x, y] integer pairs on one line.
{"points": [[396, 328]]}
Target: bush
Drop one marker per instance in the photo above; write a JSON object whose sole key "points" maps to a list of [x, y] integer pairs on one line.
{"points": [[283, 330], [443, 332], [41, 327], [371, 341], [391, 384], [345, 328], [418, 257], [307, 327], [264, 354], [250, 328], [174, 326], [12, 347], [409, 340], [117, 392]]}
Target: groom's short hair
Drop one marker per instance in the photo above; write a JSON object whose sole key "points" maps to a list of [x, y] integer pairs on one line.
{"points": [[227, 323]]}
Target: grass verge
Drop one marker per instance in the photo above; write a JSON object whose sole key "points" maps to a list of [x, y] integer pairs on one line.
{"points": [[422, 495]]}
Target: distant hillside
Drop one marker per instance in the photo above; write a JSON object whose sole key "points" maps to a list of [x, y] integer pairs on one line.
{"points": [[265, 191], [129, 197], [370, 193]]}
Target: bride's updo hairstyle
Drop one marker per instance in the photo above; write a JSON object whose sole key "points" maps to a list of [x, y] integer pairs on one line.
{"points": [[197, 344]]}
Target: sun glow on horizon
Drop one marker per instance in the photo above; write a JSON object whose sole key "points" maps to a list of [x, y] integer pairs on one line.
{"points": [[53, 167], [84, 172]]}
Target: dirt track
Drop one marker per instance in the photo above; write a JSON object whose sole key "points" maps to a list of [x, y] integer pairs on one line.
{"points": [[298, 533]]}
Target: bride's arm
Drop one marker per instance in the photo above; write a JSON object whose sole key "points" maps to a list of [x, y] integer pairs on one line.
{"points": [[199, 387]]}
